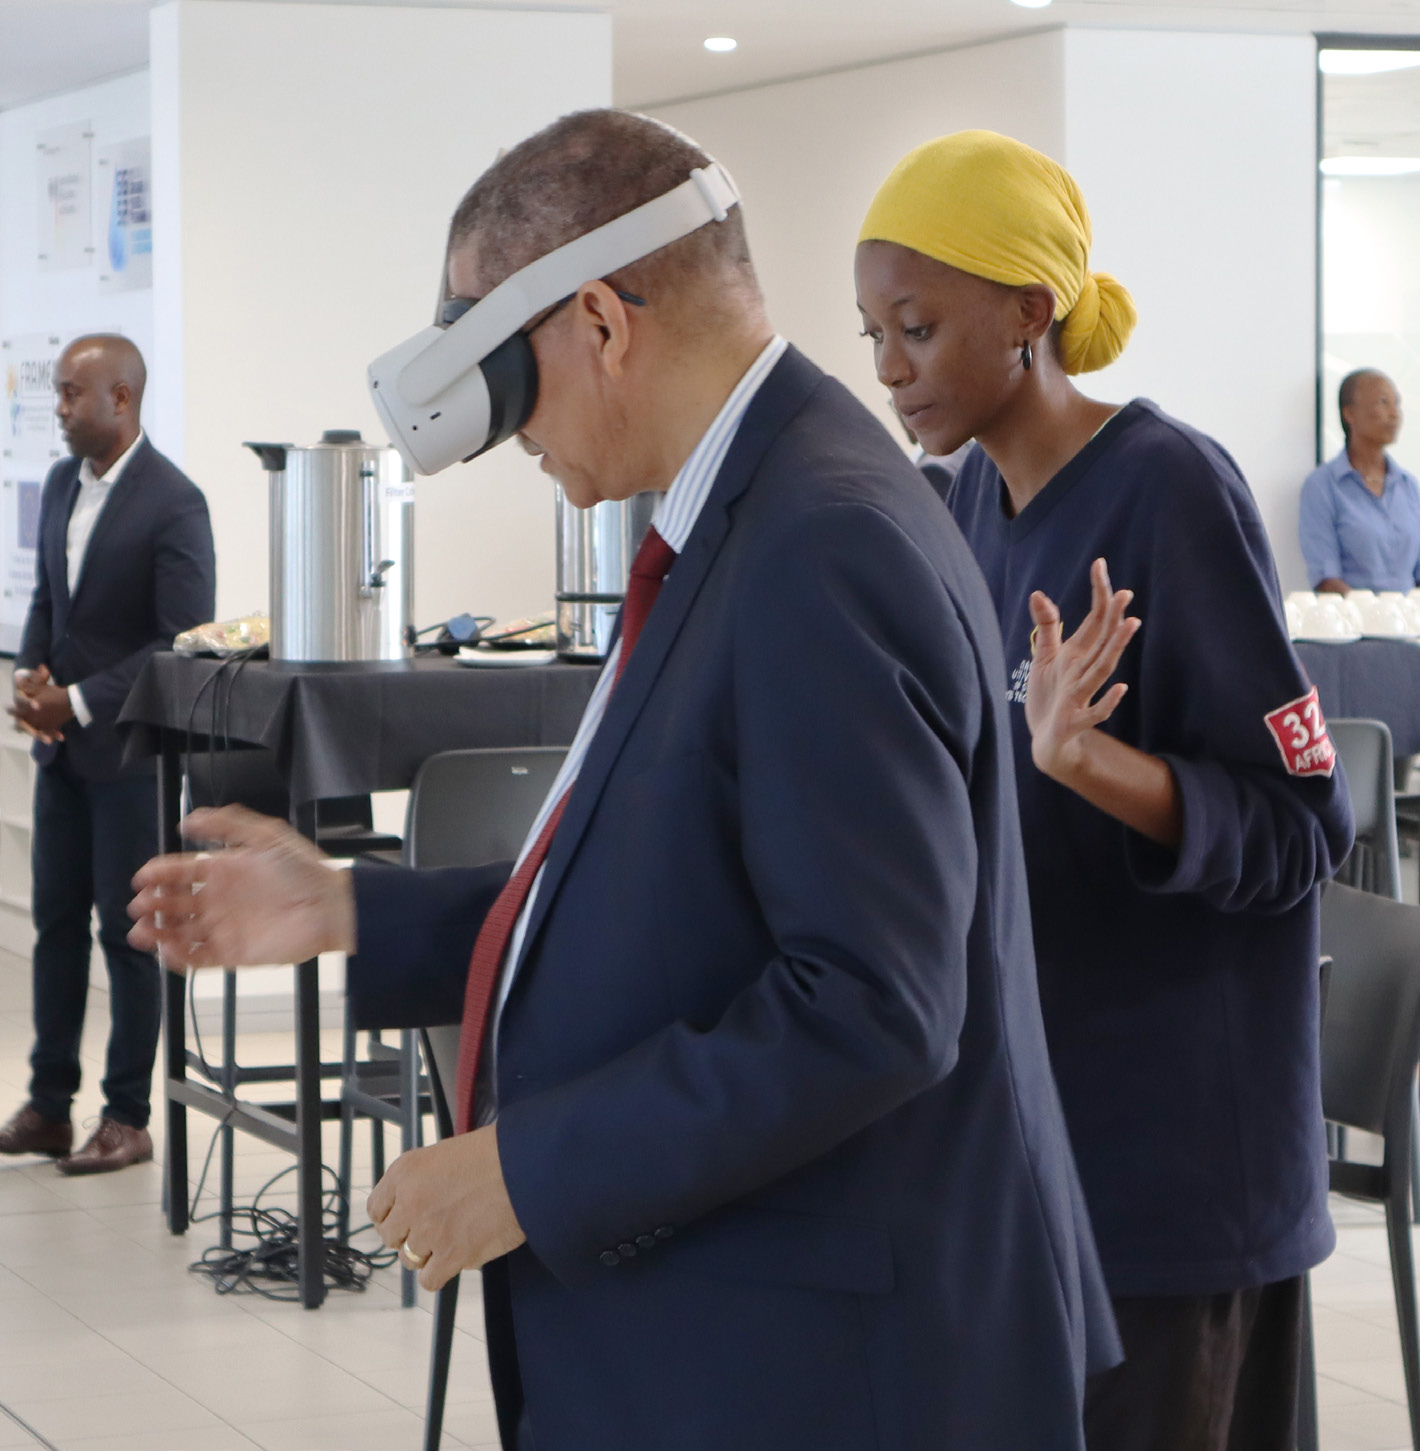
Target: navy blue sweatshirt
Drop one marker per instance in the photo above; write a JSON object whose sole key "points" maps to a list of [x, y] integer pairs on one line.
{"points": [[1180, 987]]}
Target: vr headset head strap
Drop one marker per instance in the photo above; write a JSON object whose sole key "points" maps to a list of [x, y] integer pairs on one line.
{"points": [[706, 196]]}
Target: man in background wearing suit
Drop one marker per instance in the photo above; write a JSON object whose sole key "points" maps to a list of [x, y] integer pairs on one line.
{"points": [[768, 1152], [124, 563]]}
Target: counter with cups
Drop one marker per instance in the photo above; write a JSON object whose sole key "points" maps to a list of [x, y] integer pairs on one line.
{"points": [[1362, 652]]}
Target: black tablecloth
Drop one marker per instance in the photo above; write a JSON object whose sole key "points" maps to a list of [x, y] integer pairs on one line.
{"points": [[345, 731], [1369, 680]]}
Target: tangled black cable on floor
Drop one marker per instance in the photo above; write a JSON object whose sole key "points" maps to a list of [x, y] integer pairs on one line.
{"points": [[273, 1256], [271, 1261]]}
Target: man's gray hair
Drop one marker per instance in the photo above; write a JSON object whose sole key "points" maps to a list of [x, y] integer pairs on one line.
{"points": [[585, 170]]}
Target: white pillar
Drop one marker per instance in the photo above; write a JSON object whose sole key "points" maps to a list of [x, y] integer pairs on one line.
{"points": [[1197, 156], [306, 160]]}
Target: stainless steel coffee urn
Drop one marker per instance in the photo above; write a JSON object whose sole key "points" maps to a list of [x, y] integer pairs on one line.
{"points": [[595, 548], [342, 550]]}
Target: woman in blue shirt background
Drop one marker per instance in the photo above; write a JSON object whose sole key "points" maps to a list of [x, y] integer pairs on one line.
{"points": [[1360, 515]]}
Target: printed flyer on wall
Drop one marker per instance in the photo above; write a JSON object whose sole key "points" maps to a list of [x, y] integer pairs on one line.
{"points": [[30, 442], [125, 248], [65, 184]]}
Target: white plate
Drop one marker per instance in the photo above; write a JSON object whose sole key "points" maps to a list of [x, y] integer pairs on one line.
{"points": [[504, 659], [1326, 639]]}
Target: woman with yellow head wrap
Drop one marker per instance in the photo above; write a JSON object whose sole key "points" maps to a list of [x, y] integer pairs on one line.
{"points": [[1175, 783]]}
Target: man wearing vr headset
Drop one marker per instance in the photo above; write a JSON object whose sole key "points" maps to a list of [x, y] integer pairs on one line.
{"points": [[768, 1152]]}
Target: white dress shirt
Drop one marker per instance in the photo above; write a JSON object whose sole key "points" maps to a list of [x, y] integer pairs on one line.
{"points": [[674, 519], [94, 490]]}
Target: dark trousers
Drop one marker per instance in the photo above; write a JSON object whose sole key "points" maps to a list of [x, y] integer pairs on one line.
{"points": [[89, 839], [1202, 1373]]}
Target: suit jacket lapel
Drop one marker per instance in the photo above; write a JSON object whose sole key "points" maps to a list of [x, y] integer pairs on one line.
{"points": [[780, 396], [57, 545]]}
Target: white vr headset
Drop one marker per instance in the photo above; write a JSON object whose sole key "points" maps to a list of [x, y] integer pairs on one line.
{"points": [[455, 390]]}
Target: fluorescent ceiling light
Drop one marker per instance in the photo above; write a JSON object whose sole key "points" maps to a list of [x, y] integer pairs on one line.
{"points": [[721, 42], [1031, 4], [1370, 165], [1366, 62]]}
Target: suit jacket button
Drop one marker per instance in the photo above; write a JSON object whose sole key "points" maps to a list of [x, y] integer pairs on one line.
{"points": [[665, 1231], [646, 1241], [626, 1250], [609, 1258]]}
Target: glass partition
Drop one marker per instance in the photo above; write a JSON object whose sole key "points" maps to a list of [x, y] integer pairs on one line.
{"points": [[1369, 263]]}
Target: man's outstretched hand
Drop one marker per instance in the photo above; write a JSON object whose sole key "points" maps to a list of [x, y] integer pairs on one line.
{"points": [[264, 894]]}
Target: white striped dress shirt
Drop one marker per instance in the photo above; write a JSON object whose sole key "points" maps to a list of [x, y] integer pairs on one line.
{"points": [[674, 519]]}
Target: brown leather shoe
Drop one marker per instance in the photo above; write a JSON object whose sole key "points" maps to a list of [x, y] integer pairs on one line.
{"points": [[28, 1133], [111, 1146]]}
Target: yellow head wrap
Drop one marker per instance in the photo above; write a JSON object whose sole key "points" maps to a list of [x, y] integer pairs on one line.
{"points": [[998, 209]]}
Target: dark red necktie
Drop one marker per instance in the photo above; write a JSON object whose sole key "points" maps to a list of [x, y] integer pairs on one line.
{"points": [[651, 565]]}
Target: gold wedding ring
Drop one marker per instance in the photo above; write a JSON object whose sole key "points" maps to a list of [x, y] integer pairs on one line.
{"points": [[412, 1258]]}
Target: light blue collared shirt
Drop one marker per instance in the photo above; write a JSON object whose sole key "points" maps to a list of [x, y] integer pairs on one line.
{"points": [[1348, 533], [674, 519]]}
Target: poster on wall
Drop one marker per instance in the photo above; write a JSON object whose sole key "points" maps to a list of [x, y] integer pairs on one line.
{"points": [[63, 165], [30, 442], [124, 235], [31, 430]]}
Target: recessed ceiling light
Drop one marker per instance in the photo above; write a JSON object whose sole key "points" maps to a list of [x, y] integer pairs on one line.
{"points": [[721, 42], [1031, 4], [1370, 165], [1367, 62]]}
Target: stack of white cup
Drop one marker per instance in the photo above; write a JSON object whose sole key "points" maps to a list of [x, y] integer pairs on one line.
{"points": [[1388, 615]]}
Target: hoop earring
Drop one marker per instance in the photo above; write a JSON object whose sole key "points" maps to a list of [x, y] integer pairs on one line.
{"points": [[1027, 357]]}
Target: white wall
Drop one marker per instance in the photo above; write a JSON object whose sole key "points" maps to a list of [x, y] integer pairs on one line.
{"points": [[306, 160], [1195, 153], [808, 155], [1371, 294]]}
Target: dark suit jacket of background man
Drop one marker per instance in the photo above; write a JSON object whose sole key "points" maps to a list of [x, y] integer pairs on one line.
{"points": [[148, 573], [776, 1112]]}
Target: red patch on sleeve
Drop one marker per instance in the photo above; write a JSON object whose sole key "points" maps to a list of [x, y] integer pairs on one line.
{"points": [[1301, 736]]}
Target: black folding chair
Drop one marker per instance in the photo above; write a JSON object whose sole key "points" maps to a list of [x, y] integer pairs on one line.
{"points": [[466, 808], [1365, 750], [1370, 1047]]}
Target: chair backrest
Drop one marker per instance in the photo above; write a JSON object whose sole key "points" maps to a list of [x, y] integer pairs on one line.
{"points": [[471, 807], [441, 1059], [1370, 1042], [1365, 750], [467, 808]]}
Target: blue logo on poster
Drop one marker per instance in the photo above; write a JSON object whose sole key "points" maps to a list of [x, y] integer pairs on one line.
{"points": [[129, 223], [117, 237], [29, 514]]}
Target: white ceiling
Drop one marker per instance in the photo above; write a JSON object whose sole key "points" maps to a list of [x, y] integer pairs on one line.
{"points": [[48, 46]]}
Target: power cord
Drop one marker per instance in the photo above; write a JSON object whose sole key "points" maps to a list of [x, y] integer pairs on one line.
{"points": [[230, 668], [274, 1255], [270, 1265]]}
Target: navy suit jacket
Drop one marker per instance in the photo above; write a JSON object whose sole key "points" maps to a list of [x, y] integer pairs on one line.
{"points": [[776, 1111], [148, 574]]}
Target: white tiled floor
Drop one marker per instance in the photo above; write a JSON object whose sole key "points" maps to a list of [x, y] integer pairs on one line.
{"points": [[107, 1343]]}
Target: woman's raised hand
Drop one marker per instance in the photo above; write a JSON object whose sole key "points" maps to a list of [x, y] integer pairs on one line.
{"points": [[1063, 700]]}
